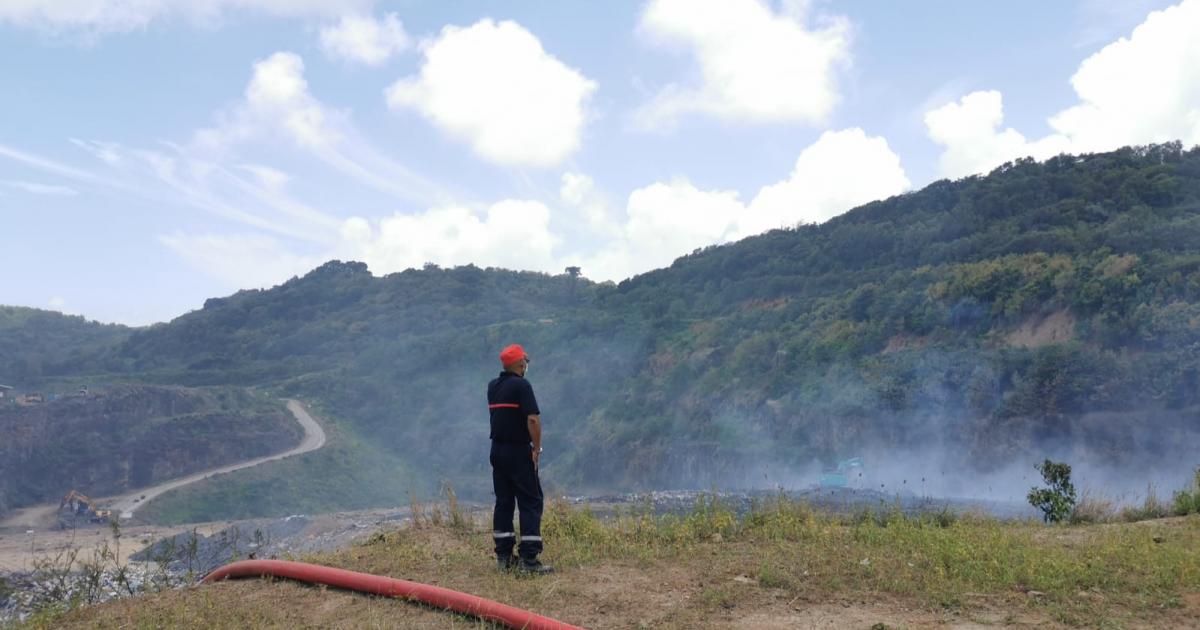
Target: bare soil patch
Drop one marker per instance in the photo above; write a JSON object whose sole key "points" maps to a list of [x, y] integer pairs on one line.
{"points": [[1057, 327]]}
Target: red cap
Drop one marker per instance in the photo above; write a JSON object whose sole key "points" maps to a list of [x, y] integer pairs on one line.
{"points": [[512, 354]]}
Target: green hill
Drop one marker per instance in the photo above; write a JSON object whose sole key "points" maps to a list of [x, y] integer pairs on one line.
{"points": [[1046, 308], [36, 343]]}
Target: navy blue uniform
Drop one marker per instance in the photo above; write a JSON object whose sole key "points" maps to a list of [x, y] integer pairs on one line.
{"points": [[514, 478]]}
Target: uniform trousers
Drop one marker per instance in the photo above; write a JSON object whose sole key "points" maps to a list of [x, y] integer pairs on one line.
{"points": [[516, 484]]}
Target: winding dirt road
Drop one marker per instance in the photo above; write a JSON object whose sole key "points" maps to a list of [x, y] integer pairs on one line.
{"points": [[126, 504]]}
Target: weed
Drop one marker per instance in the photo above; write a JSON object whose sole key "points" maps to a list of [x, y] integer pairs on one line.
{"points": [[457, 520], [418, 512], [191, 551], [1187, 501], [716, 596], [770, 576], [1091, 508], [1152, 507], [944, 517]]}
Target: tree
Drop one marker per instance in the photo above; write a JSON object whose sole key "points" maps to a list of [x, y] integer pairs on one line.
{"points": [[574, 273], [1057, 501]]}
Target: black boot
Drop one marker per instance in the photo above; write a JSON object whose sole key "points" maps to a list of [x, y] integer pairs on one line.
{"points": [[533, 566], [505, 563]]}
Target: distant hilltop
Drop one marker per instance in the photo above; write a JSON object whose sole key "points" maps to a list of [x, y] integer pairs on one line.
{"points": [[1044, 309]]}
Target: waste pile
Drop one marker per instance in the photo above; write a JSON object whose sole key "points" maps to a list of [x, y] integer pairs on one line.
{"points": [[194, 554], [24, 593], [834, 500]]}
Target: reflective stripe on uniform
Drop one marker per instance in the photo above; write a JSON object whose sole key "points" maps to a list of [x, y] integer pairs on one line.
{"points": [[537, 538], [503, 534]]}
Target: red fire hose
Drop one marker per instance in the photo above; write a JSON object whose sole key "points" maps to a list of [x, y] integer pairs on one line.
{"points": [[390, 587]]}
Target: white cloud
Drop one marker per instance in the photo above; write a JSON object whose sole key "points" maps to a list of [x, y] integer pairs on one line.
{"points": [[99, 17], [107, 152], [494, 86], [57, 303], [276, 102], [1137, 90], [36, 188], [668, 220], [242, 261], [49, 165], [662, 222], [968, 130], [1145, 88], [363, 39], [511, 233], [278, 105], [576, 187], [270, 178], [841, 170], [755, 65], [579, 193]]}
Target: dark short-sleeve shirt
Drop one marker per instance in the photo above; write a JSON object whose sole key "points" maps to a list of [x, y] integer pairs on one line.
{"points": [[511, 402]]}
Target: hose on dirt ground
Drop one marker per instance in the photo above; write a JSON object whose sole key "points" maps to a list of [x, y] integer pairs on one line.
{"points": [[435, 596]]}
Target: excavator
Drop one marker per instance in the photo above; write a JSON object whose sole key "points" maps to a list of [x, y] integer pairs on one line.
{"points": [[75, 506]]}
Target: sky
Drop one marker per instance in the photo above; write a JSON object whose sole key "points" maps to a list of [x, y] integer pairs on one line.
{"points": [[155, 153]]}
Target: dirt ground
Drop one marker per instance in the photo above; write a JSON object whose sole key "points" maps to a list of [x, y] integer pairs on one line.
{"points": [[20, 549]]}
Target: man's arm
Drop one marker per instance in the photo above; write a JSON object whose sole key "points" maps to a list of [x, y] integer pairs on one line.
{"points": [[534, 422]]}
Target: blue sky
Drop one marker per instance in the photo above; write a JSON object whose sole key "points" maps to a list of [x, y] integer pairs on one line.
{"points": [[157, 153]]}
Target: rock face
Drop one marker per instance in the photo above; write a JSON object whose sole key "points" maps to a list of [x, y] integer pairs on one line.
{"points": [[131, 436]]}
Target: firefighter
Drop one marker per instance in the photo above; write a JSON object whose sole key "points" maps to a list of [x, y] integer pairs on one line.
{"points": [[516, 446]]}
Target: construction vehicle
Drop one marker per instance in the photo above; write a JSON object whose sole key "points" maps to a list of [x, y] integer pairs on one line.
{"points": [[847, 471], [76, 507]]}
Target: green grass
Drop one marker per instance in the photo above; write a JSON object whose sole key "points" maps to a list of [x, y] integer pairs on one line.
{"points": [[710, 567], [347, 473], [926, 557]]}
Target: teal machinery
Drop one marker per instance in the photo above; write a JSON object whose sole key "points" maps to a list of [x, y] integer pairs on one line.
{"points": [[840, 478]]}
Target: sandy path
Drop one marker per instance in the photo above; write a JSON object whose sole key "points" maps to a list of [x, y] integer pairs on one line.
{"points": [[126, 504]]}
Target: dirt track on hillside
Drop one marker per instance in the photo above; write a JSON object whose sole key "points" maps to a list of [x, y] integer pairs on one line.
{"points": [[314, 438], [43, 516]]}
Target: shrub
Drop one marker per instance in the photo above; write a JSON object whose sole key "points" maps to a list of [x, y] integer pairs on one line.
{"points": [[1187, 501], [1057, 501]]}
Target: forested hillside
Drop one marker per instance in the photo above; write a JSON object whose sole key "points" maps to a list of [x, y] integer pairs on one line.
{"points": [[1044, 309], [34, 342]]}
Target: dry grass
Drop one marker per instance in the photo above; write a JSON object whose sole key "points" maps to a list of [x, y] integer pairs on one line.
{"points": [[1093, 508], [783, 565]]}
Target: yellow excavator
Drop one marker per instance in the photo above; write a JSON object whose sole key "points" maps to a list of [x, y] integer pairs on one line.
{"points": [[76, 506]]}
